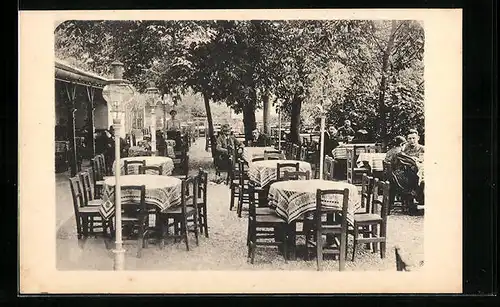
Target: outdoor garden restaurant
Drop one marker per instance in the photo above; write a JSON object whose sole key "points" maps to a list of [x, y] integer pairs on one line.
{"points": [[349, 192]]}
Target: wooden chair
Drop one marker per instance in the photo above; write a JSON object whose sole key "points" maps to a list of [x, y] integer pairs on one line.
{"points": [[144, 168], [127, 163], [184, 214], [88, 219], [273, 156], [326, 168], [280, 168], [296, 175], [353, 171], [88, 195], [97, 177], [366, 192], [243, 193], [255, 159], [262, 229], [374, 223], [135, 217], [202, 201], [234, 184], [320, 227]]}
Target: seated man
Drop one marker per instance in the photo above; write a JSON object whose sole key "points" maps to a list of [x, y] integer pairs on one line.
{"points": [[346, 133], [225, 145], [259, 140], [412, 147]]}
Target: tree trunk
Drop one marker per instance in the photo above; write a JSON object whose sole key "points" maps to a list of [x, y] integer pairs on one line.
{"points": [[211, 134], [249, 119], [266, 109], [381, 121], [295, 118]]}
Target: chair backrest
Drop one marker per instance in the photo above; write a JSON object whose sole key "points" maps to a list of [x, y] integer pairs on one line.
{"points": [[95, 170], [76, 193], [189, 191], [126, 164], [326, 168], [280, 168], [287, 175], [202, 185], [135, 209], [254, 159], [252, 214], [154, 168], [102, 162], [273, 156], [380, 198], [366, 191], [86, 186]]}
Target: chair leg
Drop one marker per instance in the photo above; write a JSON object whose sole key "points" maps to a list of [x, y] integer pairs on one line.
{"points": [[285, 246], [184, 231], [319, 250], [355, 241], [232, 198], [374, 234], [240, 204], [196, 229], [205, 220], [343, 251]]}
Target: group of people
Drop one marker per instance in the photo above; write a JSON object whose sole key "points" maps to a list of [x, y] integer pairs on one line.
{"points": [[345, 133], [409, 146]]}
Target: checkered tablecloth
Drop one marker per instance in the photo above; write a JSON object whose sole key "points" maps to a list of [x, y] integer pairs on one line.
{"points": [[137, 151], [166, 163], [253, 152], [263, 172], [293, 198], [340, 152], [161, 191], [374, 160]]}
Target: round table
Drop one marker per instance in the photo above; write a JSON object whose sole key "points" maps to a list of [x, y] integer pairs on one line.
{"points": [[263, 172], [254, 152], [162, 191], [293, 198], [166, 163]]}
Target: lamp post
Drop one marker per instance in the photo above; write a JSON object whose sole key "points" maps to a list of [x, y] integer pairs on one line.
{"points": [[152, 94], [164, 103], [118, 92], [322, 110]]}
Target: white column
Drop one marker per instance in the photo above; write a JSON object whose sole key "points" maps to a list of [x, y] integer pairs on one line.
{"points": [[119, 252], [153, 131], [322, 147]]}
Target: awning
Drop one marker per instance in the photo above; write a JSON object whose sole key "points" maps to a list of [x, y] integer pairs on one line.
{"points": [[67, 73]]}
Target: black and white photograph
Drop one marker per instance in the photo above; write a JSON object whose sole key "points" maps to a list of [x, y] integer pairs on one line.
{"points": [[255, 144]]}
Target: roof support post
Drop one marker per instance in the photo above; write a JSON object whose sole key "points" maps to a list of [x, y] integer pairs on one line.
{"points": [[91, 109], [71, 94]]}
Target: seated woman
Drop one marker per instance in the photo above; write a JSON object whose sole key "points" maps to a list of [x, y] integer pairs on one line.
{"points": [[397, 146]]}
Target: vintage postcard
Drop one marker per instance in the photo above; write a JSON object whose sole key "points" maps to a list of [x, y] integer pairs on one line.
{"points": [[240, 151]]}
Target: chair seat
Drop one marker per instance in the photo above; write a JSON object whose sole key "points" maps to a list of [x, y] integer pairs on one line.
{"points": [[95, 202], [269, 219], [129, 219], [264, 211], [367, 217], [99, 182], [178, 210], [88, 209]]}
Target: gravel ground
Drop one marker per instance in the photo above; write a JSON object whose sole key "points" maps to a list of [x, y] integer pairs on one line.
{"points": [[226, 248]]}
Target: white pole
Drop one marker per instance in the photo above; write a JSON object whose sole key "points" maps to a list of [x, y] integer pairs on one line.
{"points": [[119, 252], [153, 131], [279, 128], [322, 148]]}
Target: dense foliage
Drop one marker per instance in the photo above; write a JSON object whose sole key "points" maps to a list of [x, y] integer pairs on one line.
{"points": [[371, 71]]}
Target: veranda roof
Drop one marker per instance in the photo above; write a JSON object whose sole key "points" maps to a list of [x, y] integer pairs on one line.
{"points": [[67, 73]]}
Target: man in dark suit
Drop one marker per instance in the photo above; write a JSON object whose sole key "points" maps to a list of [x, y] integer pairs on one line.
{"points": [[226, 144], [330, 137], [259, 139]]}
